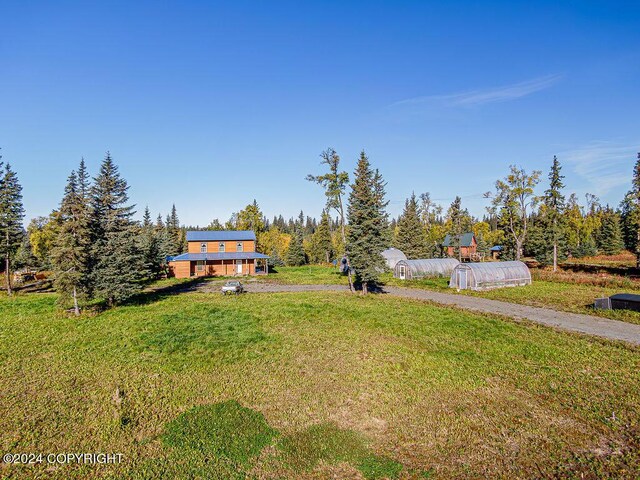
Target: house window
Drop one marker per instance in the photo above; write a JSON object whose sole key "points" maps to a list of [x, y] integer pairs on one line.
{"points": [[221, 247], [239, 247], [203, 248], [199, 265]]}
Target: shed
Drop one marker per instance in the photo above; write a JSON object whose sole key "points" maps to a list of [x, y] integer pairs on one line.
{"points": [[393, 256], [428, 267], [487, 275]]}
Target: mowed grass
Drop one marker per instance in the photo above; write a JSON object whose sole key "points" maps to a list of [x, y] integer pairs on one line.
{"points": [[307, 275], [552, 291], [311, 385]]}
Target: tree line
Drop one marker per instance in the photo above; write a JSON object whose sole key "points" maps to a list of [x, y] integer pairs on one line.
{"points": [[97, 251]]}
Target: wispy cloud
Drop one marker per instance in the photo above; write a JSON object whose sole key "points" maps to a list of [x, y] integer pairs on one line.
{"points": [[604, 165], [481, 97]]}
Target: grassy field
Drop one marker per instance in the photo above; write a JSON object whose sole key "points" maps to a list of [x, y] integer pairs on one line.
{"points": [[563, 291], [311, 385], [623, 259]]}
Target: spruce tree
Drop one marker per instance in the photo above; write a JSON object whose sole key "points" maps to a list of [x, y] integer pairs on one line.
{"points": [[609, 236], [72, 249], [274, 259], [635, 198], [368, 224], [409, 230], [11, 215], [554, 200], [173, 234], [295, 254], [322, 237], [456, 224], [119, 265], [153, 260], [629, 221]]}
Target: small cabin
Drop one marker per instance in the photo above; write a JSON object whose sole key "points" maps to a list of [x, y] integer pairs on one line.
{"points": [[466, 243], [489, 275], [428, 267]]}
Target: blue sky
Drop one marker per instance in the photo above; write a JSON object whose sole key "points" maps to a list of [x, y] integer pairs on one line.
{"points": [[209, 105]]}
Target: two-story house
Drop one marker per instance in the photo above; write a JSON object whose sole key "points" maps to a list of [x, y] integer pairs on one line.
{"points": [[218, 252]]}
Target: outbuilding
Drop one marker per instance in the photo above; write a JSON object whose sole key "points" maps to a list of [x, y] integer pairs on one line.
{"points": [[393, 256], [488, 275], [427, 267]]}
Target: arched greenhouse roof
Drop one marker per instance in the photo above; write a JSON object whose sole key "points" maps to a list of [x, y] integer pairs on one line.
{"points": [[429, 267], [491, 275], [393, 256]]}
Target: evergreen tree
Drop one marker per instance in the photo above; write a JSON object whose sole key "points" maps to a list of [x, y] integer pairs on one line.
{"points": [[587, 245], [322, 239], [119, 266], [275, 260], [635, 199], [295, 254], [149, 244], [458, 222], [367, 224], [72, 248], [409, 231], [173, 239], [11, 215], [554, 203], [609, 236], [24, 256], [629, 220]]}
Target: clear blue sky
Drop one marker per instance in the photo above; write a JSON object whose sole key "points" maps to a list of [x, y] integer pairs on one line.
{"points": [[209, 105]]}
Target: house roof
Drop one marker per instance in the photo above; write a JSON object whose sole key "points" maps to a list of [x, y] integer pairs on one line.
{"points": [[466, 240], [220, 235], [190, 257]]}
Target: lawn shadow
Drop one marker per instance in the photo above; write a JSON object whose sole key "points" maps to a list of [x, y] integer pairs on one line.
{"points": [[152, 295]]}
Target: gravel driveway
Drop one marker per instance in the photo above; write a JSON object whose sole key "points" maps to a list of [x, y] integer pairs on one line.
{"points": [[587, 324]]}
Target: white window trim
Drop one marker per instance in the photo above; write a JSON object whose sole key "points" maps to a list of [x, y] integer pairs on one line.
{"points": [[200, 265], [221, 247], [203, 245], [239, 247]]}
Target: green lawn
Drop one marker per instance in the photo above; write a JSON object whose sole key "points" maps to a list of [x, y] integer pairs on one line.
{"points": [[308, 275], [311, 385], [556, 294]]}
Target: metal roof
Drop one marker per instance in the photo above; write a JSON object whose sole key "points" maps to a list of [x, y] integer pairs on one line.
{"points": [[219, 256], [220, 235], [465, 240]]}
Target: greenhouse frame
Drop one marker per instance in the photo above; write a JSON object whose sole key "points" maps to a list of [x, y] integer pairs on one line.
{"points": [[427, 267], [488, 275], [393, 256]]}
